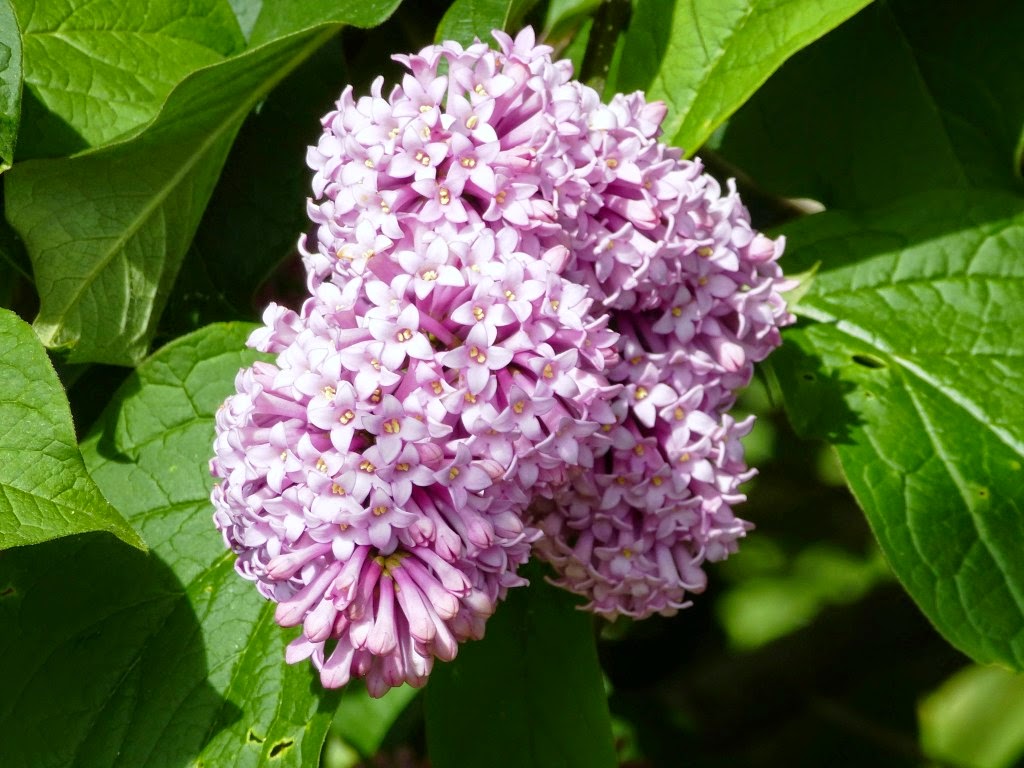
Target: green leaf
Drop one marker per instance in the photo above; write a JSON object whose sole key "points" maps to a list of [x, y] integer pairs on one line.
{"points": [[705, 58], [279, 19], [913, 368], [45, 491], [975, 719], [96, 69], [10, 83], [168, 660], [529, 694], [903, 102], [466, 20], [106, 231]]}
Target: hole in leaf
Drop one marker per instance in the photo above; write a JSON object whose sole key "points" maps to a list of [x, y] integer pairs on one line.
{"points": [[280, 747], [868, 361], [808, 377], [983, 493], [254, 738], [8, 591]]}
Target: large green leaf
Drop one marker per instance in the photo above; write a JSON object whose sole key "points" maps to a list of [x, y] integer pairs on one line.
{"points": [[95, 69], [168, 660], [913, 368], [45, 491], [528, 694], [10, 83], [706, 57], [107, 231], [899, 100], [466, 20]]}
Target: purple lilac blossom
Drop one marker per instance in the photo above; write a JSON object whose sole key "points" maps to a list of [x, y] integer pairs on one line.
{"points": [[527, 319]]}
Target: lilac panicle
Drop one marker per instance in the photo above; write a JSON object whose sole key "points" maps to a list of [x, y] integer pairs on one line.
{"points": [[527, 321]]}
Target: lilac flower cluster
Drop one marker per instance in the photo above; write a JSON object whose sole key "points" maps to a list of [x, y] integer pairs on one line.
{"points": [[526, 321]]}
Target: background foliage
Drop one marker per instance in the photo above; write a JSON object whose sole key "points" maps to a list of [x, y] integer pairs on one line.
{"points": [[153, 188]]}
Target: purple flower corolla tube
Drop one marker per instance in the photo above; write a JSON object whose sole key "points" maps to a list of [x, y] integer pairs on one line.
{"points": [[527, 319]]}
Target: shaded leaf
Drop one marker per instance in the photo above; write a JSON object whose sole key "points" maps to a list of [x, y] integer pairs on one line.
{"points": [[10, 83], [466, 20], [902, 99], [705, 58], [97, 69], [913, 369], [45, 491], [528, 694], [106, 231]]}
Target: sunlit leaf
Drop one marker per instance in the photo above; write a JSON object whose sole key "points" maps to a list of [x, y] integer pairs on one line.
{"points": [[705, 58], [96, 69]]}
